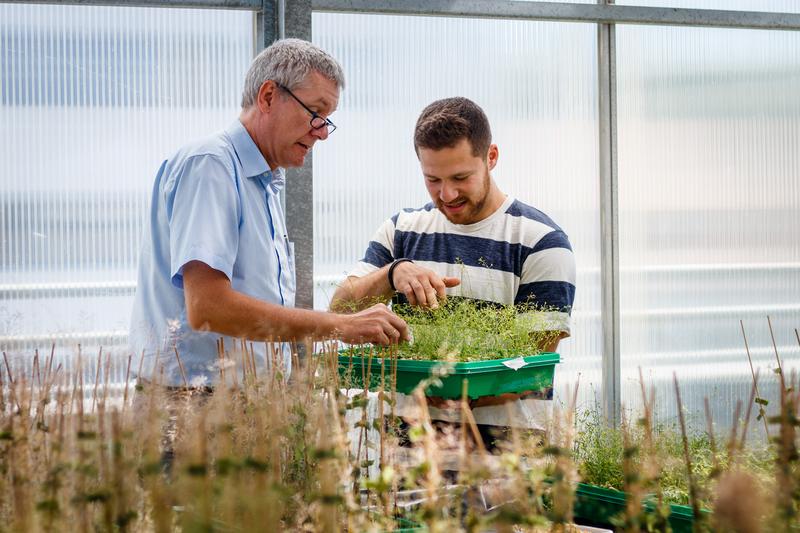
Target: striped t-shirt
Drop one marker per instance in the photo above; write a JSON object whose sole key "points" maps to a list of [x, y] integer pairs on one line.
{"points": [[518, 255]]}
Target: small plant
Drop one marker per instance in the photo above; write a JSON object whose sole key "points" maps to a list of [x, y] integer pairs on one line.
{"points": [[600, 451]]}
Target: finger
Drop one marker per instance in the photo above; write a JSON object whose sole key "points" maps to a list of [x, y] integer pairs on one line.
{"points": [[430, 294], [432, 301], [382, 339], [451, 282], [400, 325], [393, 334], [419, 292], [438, 285], [410, 296]]}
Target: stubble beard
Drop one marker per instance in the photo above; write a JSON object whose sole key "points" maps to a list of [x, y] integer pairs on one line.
{"points": [[474, 208]]}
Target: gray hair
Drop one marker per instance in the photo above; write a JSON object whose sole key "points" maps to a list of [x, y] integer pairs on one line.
{"points": [[288, 62]]}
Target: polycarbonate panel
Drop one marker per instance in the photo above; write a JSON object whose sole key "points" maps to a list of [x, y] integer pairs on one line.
{"points": [[92, 100], [709, 130], [537, 83], [774, 6]]}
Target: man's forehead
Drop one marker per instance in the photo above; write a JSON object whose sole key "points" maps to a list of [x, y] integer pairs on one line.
{"points": [[320, 90]]}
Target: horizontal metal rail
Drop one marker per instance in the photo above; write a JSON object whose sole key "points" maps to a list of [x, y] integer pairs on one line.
{"points": [[87, 338], [19, 291], [509, 9], [23, 291], [552, 11], [251, 5]]}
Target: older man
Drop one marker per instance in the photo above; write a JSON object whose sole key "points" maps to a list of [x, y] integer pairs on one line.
{"points": [[215, 259], [496, 247]]}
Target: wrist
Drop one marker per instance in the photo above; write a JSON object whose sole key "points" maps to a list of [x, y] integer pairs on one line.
{"points": [[331, 325], [392, 268]]}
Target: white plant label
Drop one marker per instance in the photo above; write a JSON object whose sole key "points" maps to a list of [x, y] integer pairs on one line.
{"points": [[515, 364]]}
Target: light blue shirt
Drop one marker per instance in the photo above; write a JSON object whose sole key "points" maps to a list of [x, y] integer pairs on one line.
{"points": [[214, 201]]}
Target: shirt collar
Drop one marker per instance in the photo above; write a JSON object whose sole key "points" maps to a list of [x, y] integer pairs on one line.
{"points": [[253, 163], [275, 178]]}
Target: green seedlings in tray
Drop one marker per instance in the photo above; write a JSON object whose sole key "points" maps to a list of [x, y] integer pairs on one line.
{"points": [[467, 330]]}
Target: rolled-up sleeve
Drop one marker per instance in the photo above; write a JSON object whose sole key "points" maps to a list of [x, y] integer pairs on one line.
{"points": [[204, 212]]}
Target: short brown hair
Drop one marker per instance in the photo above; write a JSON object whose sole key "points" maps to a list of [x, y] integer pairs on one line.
{"points": [[445, 122]]}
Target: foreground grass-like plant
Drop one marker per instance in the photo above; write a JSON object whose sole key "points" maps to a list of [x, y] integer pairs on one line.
{"points": [[274, 454], [266, 453]]}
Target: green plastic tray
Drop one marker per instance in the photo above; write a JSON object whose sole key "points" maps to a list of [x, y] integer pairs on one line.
{"points": [[485, 378], [596, 506], [407, 526]]}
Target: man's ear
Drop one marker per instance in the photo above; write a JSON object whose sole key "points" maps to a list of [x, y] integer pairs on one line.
{"points": [[266, 96], [491, 156]]}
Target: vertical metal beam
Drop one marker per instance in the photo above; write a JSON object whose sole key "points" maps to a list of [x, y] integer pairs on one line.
{"points": [[299, 181], [609, 219], [266, 31]]}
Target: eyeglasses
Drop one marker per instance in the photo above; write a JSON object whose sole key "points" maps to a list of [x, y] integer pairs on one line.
{"points": [[317, 122]]}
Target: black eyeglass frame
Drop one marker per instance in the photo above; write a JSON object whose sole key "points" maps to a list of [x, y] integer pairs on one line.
{"points": [[317, 122]]}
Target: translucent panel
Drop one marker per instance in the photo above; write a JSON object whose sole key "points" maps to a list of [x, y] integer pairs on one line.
{"points": [[92, 99], [709, 130], [537, 83], [774, 6]]}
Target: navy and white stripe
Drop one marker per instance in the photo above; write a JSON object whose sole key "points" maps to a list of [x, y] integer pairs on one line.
{"points": [[516, 255]]}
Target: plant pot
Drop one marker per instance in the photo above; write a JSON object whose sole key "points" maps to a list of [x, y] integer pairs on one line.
{"points": [[597, 505], [404, 525], [484, 378]]}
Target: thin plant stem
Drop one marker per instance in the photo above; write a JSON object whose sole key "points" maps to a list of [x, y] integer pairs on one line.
{"points": [[761, 411], [127, 381], [180, 366], [380, 412], [734, 431], [106, 378], [35, 369], [693, 495], [97, 377], [774, 345], [12, 383], [141, 362], [747, 415], [711, 439]]}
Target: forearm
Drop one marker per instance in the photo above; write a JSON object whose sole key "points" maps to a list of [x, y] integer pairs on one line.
{"points": [[237, 315], [213, 305], [551, 345], [356, 293]]}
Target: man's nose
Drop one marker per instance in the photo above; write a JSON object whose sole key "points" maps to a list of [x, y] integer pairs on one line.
{"points": [[448, 193], [320, 133]]}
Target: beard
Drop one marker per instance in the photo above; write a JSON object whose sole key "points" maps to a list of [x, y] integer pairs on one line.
{"points": [[473, 205]]}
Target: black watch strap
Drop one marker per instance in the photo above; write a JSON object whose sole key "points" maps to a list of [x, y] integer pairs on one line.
{"points": [[394, 264]]}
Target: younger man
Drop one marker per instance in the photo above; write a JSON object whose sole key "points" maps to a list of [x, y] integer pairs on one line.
{"points": [[471, 234]]}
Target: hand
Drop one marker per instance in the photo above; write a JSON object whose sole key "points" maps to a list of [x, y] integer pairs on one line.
{"points": [[421, 286], [376, 324]]}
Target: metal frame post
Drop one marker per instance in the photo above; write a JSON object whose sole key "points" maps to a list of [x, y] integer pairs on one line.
{"points": [[266, 26], [609, 219], [299, 181]]}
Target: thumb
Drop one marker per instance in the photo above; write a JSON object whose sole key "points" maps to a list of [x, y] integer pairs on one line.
{"points": [[451, 282]]}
